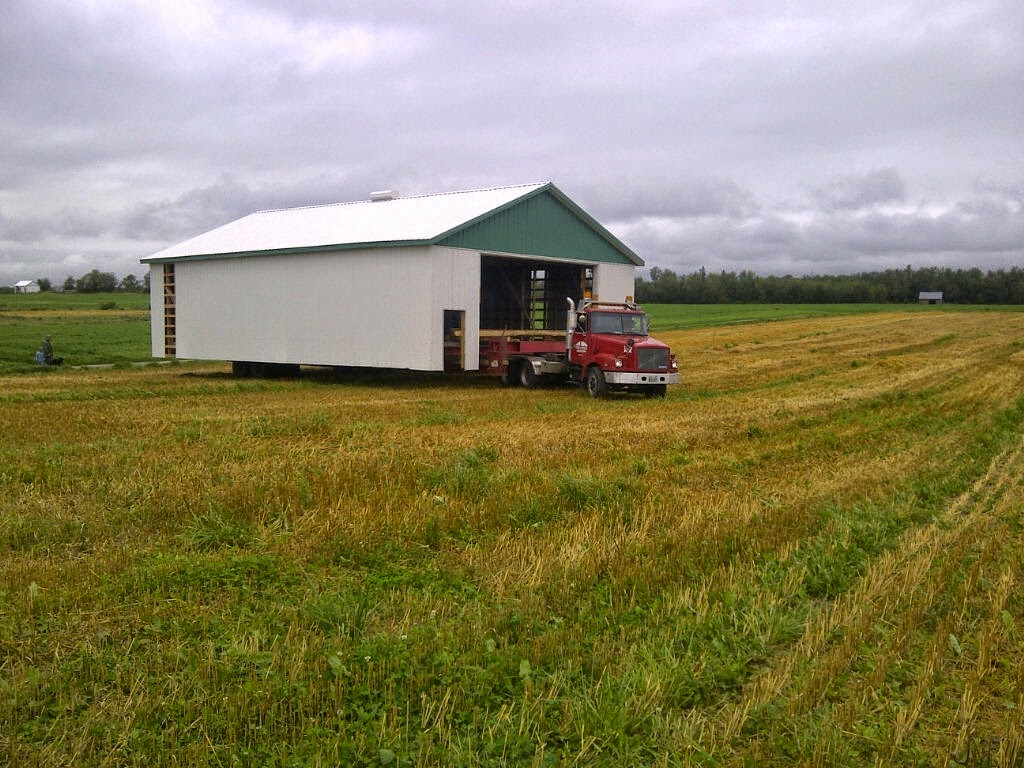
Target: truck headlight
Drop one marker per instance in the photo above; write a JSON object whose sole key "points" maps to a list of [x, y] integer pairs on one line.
{"points": [[618, 362]]}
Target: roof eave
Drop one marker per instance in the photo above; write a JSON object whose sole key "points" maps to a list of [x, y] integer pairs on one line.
{"points": [[157, 259]]}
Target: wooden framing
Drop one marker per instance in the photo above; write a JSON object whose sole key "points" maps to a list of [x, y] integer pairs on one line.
{"points": [[170, 326]]}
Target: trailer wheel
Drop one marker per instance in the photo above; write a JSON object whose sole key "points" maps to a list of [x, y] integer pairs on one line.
{"points": [[596, 384], [527, 376]]}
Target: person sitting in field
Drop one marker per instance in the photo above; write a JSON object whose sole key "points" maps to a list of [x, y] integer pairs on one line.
{"points": [[47, 350]]}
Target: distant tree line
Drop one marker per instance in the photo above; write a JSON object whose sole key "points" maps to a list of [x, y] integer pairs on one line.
{"points": [[959, 286], [95, 281]]}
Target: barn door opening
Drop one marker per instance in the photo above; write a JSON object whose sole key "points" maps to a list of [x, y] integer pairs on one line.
{"points": [[454, 340], [528, 294]]}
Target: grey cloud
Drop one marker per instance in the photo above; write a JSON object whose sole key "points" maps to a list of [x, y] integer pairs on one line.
{"points": [[759, 136], [853, 192], [67, 222], [656, 196], [24, 230], [984, 230], [190, 213], [203, 208]]}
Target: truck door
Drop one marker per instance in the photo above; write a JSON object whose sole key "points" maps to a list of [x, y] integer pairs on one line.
{"points": [[580, 341]]}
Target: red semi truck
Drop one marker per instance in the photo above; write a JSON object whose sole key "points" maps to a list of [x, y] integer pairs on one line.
{"points": [[605, 348]]}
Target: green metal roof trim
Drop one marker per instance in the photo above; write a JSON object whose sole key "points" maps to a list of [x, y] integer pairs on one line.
{"points": [[542, 223]]}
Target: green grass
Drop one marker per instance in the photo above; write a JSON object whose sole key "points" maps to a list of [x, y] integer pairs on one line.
{"points": [[79, 340], [122, 337], [87, 329], [680, 316], [69, 301], [809, 563]]}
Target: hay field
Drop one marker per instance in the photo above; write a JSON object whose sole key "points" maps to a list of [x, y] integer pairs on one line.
{"points": [[810, 553]]}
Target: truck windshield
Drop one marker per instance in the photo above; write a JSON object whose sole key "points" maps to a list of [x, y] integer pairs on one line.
{"points": [[622, 323]]}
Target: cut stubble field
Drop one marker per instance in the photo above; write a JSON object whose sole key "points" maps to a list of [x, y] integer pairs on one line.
{"points": [[809, 553]]}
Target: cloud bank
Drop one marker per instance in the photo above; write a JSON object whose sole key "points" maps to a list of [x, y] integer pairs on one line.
{"points": [[803, 139]]}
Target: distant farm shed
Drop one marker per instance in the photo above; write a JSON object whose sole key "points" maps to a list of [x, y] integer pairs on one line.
{"points": [[929, 297], [26, 286], [384, 282]]}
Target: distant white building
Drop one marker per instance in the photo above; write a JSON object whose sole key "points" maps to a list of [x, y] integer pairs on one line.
{"points": [[930, 297], [26, 286]]}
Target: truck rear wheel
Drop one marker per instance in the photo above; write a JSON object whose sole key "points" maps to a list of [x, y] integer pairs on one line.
{"points": [[527, 376], [596, 384]]}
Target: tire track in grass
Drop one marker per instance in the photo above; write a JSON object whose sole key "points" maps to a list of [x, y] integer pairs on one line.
{"points": [[899, 615]]}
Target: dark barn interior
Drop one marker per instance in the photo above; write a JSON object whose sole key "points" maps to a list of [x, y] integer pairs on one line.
{"points": [[521, 294]]}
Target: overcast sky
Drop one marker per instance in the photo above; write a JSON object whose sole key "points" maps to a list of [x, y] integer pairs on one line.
{"points": [[779, 137]]}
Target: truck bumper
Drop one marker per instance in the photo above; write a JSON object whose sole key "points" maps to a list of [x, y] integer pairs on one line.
{"points": [[622, 379]]}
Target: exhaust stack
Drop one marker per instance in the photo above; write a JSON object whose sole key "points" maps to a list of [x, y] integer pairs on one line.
{"points": [[570, 324]]}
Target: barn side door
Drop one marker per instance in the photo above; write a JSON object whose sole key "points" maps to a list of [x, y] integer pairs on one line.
{"points": [[454, 340]]}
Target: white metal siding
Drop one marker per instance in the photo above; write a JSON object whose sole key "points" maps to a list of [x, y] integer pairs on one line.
{"points": [[379, 307], [614, 282], [363, 308], [456, 285]]}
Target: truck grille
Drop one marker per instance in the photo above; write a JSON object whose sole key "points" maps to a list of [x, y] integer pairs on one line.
{"points": [[652, 359]]}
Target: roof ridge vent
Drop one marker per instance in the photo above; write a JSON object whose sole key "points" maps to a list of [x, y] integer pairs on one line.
{"points": [[383, 195]]}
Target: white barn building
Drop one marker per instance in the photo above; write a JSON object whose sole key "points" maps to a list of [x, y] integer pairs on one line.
{"points": [[26, 286], [388, 283]]}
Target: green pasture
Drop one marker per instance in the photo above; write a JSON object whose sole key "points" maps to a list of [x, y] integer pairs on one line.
{"points": [[682, 316], [86, 329], [70, 300], [809, 553], [113, 328]]}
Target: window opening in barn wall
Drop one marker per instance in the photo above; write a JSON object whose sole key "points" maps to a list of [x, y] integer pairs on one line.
{"points": [[169, 313], [454, 340]]}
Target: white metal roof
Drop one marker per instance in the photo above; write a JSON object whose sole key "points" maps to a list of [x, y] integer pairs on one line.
{"points": [[399, 220], [24, 283]]}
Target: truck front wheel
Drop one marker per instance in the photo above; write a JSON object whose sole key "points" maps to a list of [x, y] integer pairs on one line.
{"points": [[596, 384]]}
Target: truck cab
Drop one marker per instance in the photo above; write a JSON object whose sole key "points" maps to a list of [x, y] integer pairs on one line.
{"points": [[610, 349]]}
